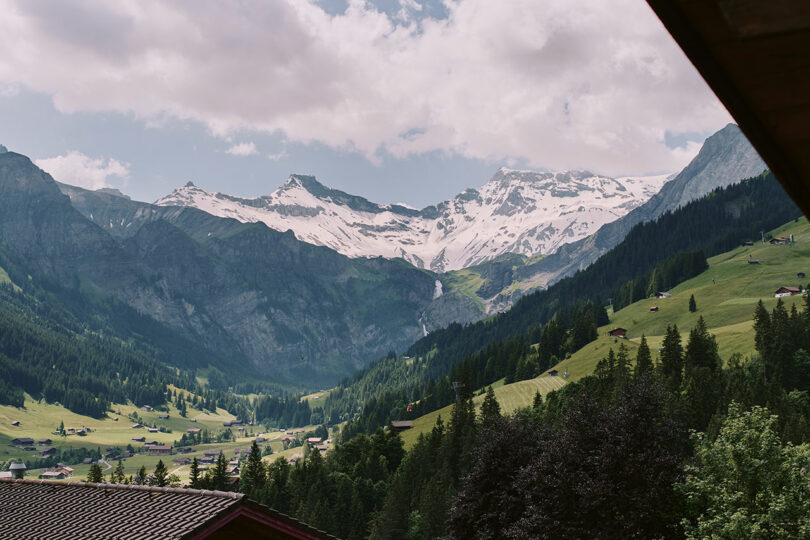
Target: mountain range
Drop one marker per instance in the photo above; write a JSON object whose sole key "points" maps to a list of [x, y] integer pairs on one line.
{"points": [[523, 212]]}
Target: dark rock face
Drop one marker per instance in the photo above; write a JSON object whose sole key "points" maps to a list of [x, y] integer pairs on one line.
{"points": [[246, 293]]}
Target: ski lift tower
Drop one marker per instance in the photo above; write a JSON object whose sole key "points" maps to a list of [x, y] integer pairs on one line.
{"points": [[457, 386]]}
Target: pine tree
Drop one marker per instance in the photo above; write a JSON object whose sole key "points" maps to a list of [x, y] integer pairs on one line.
{"points": [[219, 478], [160, 474], [118, 475], [141, 478], [194, 475], [490, 409], [692, 304], [643, 358], [672, 359], [95, 475], [253, 474]]}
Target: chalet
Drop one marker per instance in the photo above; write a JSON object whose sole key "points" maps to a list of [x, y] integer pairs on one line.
{"points": [[137, 426], [133, 511], [47, 452], [662, 294], [88, 461], [314, 440], [212, 453], [183, 449], [232, 423], [260, 440], [147, 408], [160, 450], [83, 431], [151, 443], [15, 423], [163, 416], [193, 430], [206, 459], [232, 470], [182, 460], [402, 425], [44, 441], [753, 261], [322, 447], [67, 471], [654, 308], [748, 243], [553, 373], [786, 291], [152, 430], [52, 475], [139, 439], [780, 240], [293, 459], [22, 441], [618, 332]]}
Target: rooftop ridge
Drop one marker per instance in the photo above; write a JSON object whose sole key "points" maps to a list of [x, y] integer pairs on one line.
{"points": [[130, 487]]}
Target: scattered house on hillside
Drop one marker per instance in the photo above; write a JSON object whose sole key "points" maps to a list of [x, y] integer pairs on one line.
{"points": [[322, 447], [213, 453], [139, 439], [16, 423], [52, 475], [312, 441], [193, 430], [194, 420], [748, 243], [137, 426], [800, 275], [44, 441], [64, 469], [662, 294], [780, 240], [147, 408], [84, 510], [653, 308], [151, 443], [88, 461], [290, 432], [260, 440], [71, 431], [152, 430], [293, 459], [402, 425], [163, 416], [287, 439], [47, 452], [553, 372], [753, 261], [83, 431], [22, 441], [206, 459], [160, 450], [232, 470], [182, 460], [232, 423], [786, 291], [183, 449], [618, 332]]}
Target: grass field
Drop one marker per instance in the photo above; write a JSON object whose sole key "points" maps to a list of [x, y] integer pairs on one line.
{"points": [[510, 397], [726, 295]]}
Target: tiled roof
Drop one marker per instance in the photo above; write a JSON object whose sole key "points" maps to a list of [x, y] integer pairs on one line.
{"points": [[47, 509]]}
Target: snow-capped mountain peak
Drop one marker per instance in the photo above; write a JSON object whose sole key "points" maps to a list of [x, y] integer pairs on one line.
{"points": [[523, 212]]}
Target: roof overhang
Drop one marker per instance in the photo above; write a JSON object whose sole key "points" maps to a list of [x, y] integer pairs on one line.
{"points": [[755, 55]]}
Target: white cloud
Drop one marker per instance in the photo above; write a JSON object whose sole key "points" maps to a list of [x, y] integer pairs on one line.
{"points": [[77, 169], [242, 149], [277, 156], [550, 83]]}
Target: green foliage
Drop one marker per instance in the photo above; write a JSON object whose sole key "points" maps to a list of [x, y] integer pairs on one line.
{"points": [[95, 475], [159, 477], [746, 483], [692, 304]]}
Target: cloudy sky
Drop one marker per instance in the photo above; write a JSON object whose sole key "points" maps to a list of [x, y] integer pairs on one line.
{"points": [[396, 100]]}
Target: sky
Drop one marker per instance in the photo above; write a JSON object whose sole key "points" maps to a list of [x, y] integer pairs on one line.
{"points": [[400, 101]]}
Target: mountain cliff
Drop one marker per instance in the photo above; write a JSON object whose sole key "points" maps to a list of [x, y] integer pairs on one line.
{"points": [[252, 298]]}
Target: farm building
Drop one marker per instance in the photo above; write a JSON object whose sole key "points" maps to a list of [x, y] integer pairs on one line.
{"points": [[147, 408], [132, 511], [52, 475], [662, 294], [160, 450], [618, 332], [47, 452], [786, 291], [163, 416], [753, 261], [181, 460], [44, 441], [22, 441], [654, 308], [16, 423], [402, 425], [137, 426], [553, 372], [780, 240], [193, 430], [139, 439], [314, 440], [748, 243]]}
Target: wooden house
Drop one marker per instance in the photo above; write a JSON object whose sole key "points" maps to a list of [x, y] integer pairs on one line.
{"points": [[402, 425], [618, 332]]}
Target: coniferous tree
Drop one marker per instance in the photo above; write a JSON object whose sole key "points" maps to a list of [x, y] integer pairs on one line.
{"points": [[490, 409], [141, 477], [118, 475], [95, 475], [692, 304], [672, 359], [643, 359], [160, 474], [219, 476], [253, 474], [194, 475]]}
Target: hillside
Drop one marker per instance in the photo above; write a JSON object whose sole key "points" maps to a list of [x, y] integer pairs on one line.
{"points": [[726, 295]]}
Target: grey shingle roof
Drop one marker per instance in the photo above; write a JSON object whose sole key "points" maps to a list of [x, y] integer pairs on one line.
{"points": [[37, 509]]}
